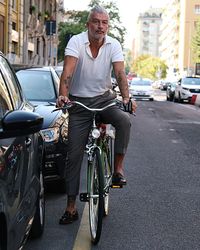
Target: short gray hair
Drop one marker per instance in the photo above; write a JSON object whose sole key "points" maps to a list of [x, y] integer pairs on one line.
{"points": [[98, 9]]}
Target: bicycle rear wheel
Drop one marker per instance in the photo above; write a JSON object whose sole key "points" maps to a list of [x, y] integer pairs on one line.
{"points": [[96, 203]]}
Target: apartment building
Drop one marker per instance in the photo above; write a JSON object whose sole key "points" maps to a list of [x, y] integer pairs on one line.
{"points": [[148, 32], [26, 38], [178, 27]]}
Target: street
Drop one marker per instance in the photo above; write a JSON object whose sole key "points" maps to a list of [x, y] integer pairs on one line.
{"points": [[159, 209]]}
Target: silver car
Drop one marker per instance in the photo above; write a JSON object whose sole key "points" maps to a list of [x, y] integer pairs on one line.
{"points": [[141, 88]]}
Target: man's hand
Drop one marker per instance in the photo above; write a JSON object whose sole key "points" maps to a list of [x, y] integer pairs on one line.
{"points": [[133, 103], [62, 100]]}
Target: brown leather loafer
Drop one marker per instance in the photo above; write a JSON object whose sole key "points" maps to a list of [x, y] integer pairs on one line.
{"points": [[118, 179], [68, 218]]}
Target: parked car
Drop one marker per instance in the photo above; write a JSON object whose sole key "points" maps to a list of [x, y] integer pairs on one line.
{"points": [[22, 209], [141, 88], [40, 86], [170, 91], [163, 85], [58, 70], [186, 88]]}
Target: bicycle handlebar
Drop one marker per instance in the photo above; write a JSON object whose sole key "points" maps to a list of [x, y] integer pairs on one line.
{"points": [[71, 103]]}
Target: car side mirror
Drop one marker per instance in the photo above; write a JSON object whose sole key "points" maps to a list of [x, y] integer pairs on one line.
{"points": [[20, 123]]}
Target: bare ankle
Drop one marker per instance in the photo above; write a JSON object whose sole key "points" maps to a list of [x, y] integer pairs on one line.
{"points": [[119, 163], [71, 203]]}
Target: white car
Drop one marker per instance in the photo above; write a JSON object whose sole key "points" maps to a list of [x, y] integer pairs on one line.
{"points": [[141, 88], [186, 88]]}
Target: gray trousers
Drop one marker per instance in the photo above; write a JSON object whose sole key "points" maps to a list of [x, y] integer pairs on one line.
{"points": [[80, 122]]}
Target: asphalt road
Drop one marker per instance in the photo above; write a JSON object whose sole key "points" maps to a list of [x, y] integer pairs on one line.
{"points": [[159, 209]]}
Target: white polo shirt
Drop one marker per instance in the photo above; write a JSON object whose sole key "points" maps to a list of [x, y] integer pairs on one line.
{"points": [[92, 76]]}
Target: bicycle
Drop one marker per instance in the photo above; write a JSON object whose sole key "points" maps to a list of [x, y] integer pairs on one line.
{"points": [[99, 151]]}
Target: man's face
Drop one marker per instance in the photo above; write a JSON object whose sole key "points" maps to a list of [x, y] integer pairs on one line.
{"points": [[98, 26]]}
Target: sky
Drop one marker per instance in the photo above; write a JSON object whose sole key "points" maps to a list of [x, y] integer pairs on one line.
{"points": [[128, 11]]}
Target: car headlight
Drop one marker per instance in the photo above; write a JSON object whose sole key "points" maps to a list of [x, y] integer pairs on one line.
{"points": [[51, 134]]}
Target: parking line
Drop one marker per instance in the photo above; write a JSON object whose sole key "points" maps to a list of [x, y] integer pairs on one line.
{"points": [[83, 241]]}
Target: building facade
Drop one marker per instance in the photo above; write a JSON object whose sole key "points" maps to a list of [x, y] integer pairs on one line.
{"points": [[26, 38], [148, 32], [178, 27]]}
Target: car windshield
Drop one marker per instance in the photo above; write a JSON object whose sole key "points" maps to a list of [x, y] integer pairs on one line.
{"points": [[37, 86], [59, 72], [191, 81], [141, 83]]}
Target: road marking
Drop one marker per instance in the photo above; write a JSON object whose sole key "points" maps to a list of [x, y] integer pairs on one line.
{"points": [[176, 141], [83, 241]]}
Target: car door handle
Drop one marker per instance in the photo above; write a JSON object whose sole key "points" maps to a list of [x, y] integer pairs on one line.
{"points": [[28, 141]]}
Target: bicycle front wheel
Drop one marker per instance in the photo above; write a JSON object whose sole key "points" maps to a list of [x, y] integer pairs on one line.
{"points": [[96, 202], [107, 166]]}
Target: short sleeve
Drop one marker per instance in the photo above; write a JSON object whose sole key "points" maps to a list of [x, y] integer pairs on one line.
{"points": [[117, 53], [72, 48]]}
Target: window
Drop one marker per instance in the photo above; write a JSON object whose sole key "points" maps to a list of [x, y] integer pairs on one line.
{"points": [[2, 38], [5, 103], [11, 81], [14, 4], [14, 47], [197, 9], [14, 26]]}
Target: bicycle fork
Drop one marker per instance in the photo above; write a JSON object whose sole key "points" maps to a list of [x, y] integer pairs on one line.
{"points": [[84, 197]]}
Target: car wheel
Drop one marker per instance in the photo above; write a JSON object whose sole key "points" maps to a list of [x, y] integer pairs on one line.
{"points": [[175, 99], [39, 217], [151, 99], [179, 98]]}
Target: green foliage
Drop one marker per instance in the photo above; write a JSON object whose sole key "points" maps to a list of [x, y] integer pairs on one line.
{"points": [[76, 23], [195, 44], [65, 30], [149, 67], [128, 60]]}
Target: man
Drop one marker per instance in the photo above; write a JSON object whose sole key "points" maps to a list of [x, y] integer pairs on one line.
{"points": [[86, 77]]}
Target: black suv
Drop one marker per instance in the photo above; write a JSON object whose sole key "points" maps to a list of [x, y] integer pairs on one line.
{"points": [[22, 204], [40, 85]]}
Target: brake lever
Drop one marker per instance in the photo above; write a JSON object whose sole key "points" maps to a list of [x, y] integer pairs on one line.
{"points": [[64, 107]]}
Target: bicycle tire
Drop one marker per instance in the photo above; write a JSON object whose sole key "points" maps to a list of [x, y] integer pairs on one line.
{"points": [[96, 202], [107, 155]]}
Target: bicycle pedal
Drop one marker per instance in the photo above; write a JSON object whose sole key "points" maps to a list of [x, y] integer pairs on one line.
{"points": [[116, 186], [84, 197]]}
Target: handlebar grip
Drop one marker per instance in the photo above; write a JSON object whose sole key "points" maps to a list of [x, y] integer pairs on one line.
{"points": [[128, 107], [64, 107]]}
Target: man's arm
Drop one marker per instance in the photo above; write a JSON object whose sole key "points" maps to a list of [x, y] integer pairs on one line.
{"points": [[66, 78], [120, 75]]}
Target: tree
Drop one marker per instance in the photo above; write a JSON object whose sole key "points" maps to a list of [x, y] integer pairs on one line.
{"points": [[128, 60], [149, 67], [77, 20], [195, 44]]}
